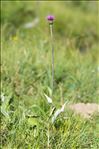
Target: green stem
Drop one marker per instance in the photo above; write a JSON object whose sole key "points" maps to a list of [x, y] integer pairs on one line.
{"points": [[52, 47]]}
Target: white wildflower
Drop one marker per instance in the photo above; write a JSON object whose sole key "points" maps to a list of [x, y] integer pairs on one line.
{"points": [[31, 24]]}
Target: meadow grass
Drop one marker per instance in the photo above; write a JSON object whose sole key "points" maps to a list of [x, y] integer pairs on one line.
{"points": [[26, 76]]}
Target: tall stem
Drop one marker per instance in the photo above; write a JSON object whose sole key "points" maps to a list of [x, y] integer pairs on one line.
{"points": [[52, 47]]}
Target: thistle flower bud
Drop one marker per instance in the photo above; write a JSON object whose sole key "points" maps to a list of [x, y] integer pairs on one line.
{"points": [[50, 18]]}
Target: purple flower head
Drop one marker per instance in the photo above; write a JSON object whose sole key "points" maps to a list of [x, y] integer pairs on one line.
{"points": [[50, 18]]}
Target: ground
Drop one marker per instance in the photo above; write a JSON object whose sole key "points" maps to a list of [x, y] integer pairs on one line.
{"points": [[28, 119]]}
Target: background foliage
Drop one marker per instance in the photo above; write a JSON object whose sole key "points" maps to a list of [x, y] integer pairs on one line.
{"points": [[26, 73]]}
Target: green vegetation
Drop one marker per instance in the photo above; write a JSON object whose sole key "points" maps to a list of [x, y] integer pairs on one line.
{"points": [[26, 74]]}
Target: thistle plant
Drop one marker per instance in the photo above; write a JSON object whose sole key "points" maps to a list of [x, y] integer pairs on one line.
{"points": [[50, 19], [46, 119]]}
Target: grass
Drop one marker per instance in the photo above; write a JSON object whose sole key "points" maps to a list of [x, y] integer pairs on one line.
{"points": [[26, 75]]}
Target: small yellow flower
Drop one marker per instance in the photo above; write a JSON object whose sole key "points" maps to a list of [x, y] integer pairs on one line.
{"points": [[15, 38]]}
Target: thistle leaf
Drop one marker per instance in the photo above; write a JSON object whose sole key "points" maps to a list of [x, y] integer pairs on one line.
{"points": [[48, 98], [58, 112], [50, 91], [2, 97]]}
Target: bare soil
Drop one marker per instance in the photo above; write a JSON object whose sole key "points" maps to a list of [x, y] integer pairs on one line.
{"points": [[85, 110]]}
